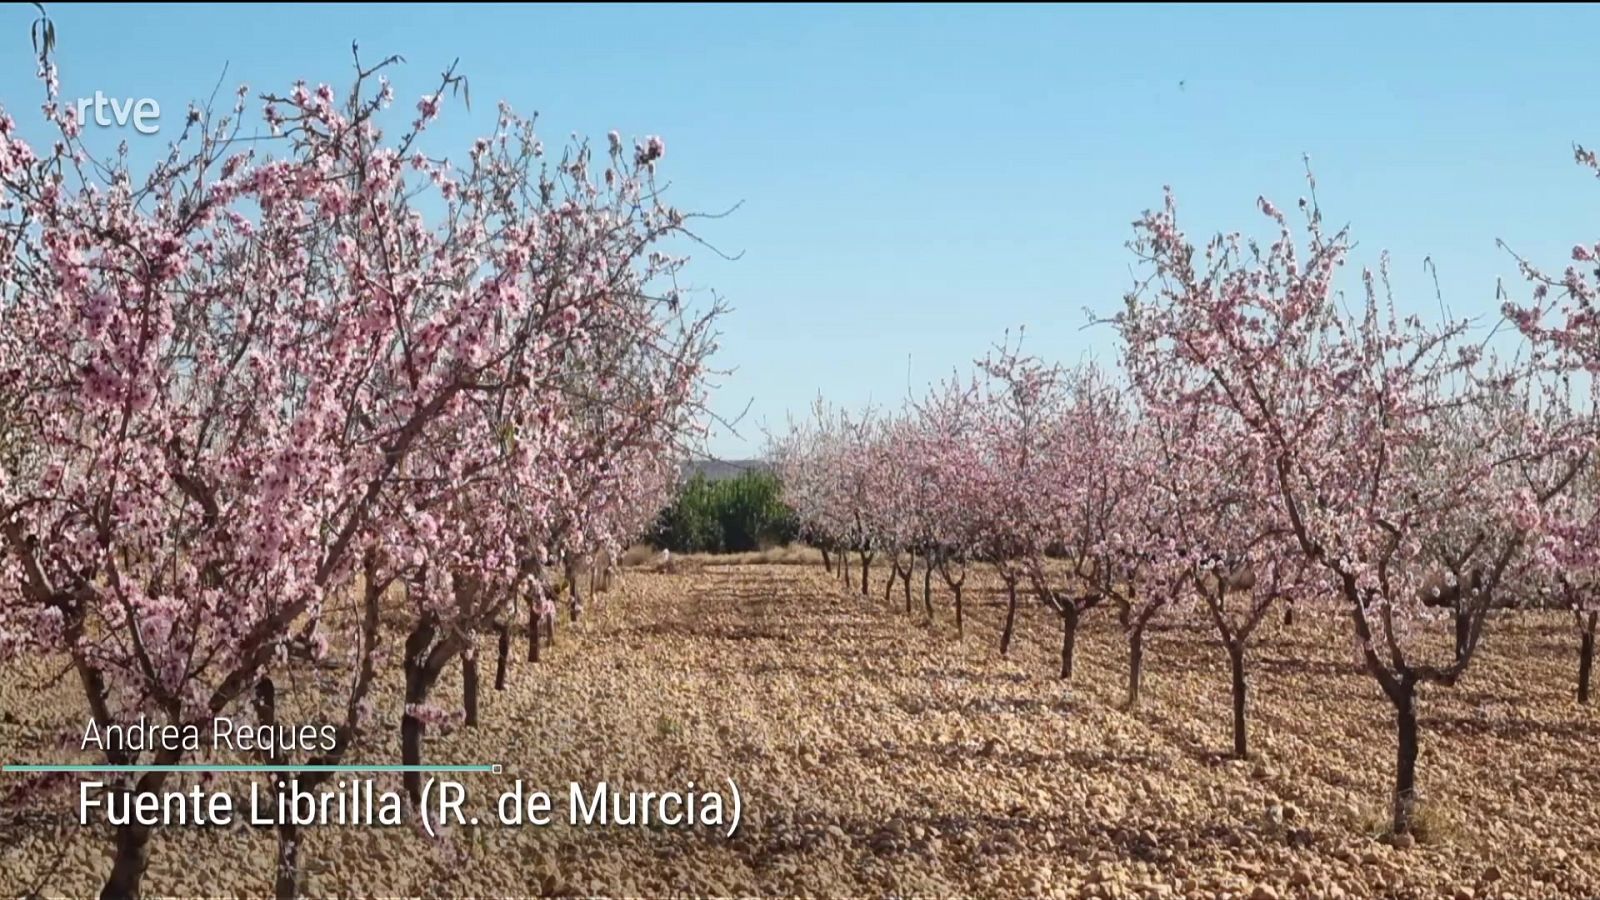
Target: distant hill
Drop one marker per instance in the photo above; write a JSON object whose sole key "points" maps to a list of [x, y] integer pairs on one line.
{"points": [[723, 469]]}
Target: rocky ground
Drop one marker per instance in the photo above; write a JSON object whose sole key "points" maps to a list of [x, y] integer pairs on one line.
{"points": [[878, 756]]}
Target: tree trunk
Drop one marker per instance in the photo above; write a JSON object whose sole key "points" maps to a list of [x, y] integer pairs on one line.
{"points": [[866, 563], [1241, 744], [411, 752], [844, 566], [888, 582], [128, 865], [927, 583], [1586, 658], [575, 599], [1463, 631], [469, 687], [1011, 618], [133, 841], [286, 874], [1405, 776], [960, 627], [1069, 638], [418, 683], [905, 582], [1288, 615], [502, 657], [286, 877], [827, 559], [533, 631], [1135, 663]]}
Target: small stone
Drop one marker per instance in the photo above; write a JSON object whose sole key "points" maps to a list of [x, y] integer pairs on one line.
{"points": [[1403, 841], [1263, 892], [1300, 878]]}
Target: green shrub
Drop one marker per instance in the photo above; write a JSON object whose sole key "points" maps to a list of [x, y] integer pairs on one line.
{"points": [[735, 515]]}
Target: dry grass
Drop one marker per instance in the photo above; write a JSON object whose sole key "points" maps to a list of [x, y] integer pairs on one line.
{"points": [[637, 556], [878, 756], [649, 559]]}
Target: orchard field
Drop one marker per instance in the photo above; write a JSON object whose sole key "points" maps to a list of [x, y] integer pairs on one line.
{"points": [[323, 418], [879, 756]]}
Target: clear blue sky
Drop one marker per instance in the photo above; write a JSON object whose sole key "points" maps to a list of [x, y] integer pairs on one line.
{"points": [[917, 180]]}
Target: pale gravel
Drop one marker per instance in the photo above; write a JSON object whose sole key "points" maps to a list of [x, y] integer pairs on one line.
{"points": [[880, 757]]}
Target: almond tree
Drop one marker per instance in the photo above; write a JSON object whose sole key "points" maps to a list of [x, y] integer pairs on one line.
{"points": [[830, 479], [1019, 403], [1100, 482], [1566, 567], [1562, 320], [1123, 528], [1045, 433], [801, 458], [876, 473], [1215, 530], [898, 513], [947, 445]]}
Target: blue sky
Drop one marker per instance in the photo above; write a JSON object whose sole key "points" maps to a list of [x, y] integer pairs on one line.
{"points": [[915, 181]]}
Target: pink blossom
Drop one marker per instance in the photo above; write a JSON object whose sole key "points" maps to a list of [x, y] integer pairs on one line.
{"points": [[428, 107]]}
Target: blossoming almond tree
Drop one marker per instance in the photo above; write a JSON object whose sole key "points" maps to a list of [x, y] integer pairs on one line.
{"points": [[910, 468], [1098, 479], [1056, 435], [1565, 566], [896, 514], [1020, 402], [832, 478], [1123, 528], [1348, 409], [949, 451], [1215, 533], [1563, 322], [798, 457]]}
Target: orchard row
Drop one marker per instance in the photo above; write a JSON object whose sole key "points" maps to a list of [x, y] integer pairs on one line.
{"points": [[299, 373], [1260, 443]]}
